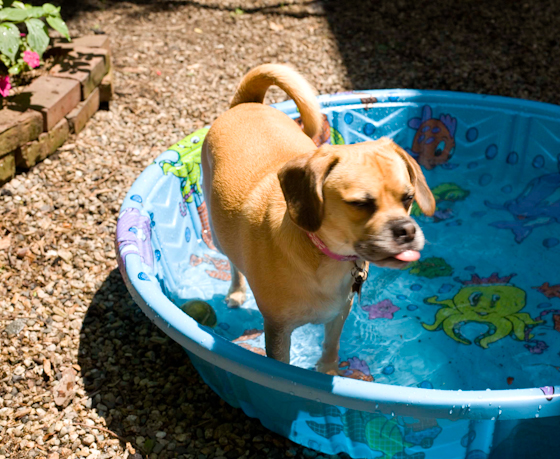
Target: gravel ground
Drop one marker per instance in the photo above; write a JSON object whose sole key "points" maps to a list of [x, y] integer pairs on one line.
{"points": [[82, 372]]}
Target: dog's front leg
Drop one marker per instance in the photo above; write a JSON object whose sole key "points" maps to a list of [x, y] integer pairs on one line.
{"points": [[328, 363], [278, 339]]}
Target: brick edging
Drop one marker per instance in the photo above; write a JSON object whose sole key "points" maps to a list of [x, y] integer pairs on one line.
{"points": [[39, 119]]}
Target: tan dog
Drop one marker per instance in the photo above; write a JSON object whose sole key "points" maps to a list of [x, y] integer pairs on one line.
{"points": [[270, 190]]}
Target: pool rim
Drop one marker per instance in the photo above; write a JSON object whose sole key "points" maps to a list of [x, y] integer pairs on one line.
{"points": [[345, 392]]}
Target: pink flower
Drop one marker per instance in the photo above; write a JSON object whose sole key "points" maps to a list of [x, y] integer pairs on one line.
{"points": [[32, 59], [5, 86]]}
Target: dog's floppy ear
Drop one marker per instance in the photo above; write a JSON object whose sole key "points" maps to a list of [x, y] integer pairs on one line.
{"points": [[302, 180], [424, 196]]}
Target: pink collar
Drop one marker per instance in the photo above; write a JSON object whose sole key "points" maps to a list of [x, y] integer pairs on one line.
{"points": [[323, 248]]}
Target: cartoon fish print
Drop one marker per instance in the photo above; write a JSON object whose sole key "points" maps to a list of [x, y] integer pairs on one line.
{"points": [[249, 335], [356, 368], [134, 236], [387, 436], [189, 172], [550, 291], [323, 137], [431, 268], [434, 141], [222, 271], [538, 205]]}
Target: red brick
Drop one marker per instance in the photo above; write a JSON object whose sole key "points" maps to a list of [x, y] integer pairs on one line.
{"points": [[78, 117], [88, 41], [53, 97], [88, 66], [17, 128], [106, 88], [7, 168], [33, 152]]}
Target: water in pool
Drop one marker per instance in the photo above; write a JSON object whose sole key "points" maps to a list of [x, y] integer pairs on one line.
{"points": [[480, 309]]}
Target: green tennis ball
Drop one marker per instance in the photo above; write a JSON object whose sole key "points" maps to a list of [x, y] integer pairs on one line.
{"points": [[201, 311]]}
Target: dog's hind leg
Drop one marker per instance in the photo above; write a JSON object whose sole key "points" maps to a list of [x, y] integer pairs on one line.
{"points": [[237, 291], [277, 341], [328, 363]]}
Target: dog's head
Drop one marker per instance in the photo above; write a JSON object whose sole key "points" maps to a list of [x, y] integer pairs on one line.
{"points": [[358, 198]]}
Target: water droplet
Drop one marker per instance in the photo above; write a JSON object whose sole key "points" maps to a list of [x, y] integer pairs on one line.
{"points": [[491, 151], [291, 393], [348, 118], [369, 129], [551, 242], [537, 415], [450, 411], [485, 179], [512, 158], [490, 404], [538, 162], [487, 390], [492, 418], [472, 134], [540, 407], [318, 400], [388, 370], [392, 414], [499, 412], [462, 407]]}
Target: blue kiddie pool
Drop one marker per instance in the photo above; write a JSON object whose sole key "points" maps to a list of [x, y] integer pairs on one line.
{"points": [[456, 356]]}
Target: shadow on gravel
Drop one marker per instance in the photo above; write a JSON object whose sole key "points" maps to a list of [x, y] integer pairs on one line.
{"points": [[494, 47], [142, 383], [297, 8]]}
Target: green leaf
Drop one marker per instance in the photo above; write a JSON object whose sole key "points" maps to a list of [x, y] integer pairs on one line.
{"points": [[35, 12], [5, 59], [13, 14], [9, 40], [51, 9], [59, 25], [15, 69], [37, 37], [19, 5]]}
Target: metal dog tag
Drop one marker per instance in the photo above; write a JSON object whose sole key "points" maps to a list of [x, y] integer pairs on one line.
{"points": [[360, 275]]}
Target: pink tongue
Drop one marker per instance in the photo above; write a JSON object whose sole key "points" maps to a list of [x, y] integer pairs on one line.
{"points": [[408, 255]]}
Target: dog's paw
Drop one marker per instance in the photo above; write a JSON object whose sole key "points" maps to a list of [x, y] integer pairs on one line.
{"points": [[329, 368], [236, 299]]}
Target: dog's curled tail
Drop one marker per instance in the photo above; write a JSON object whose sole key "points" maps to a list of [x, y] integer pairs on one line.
{"points": [[254, 85]]}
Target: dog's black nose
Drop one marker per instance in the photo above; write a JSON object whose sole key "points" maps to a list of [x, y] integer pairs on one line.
{"points": [[403, 231]]}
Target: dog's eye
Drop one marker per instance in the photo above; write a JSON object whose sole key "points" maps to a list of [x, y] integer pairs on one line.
{"points": [[365, 204], [407, 200]]}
